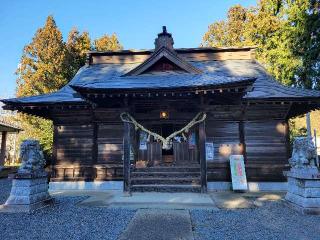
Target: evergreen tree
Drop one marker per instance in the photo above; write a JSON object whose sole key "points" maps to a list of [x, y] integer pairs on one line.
{"points": [[285, 32], [47, 64], [230, 32], [42, 70], [107, 43], [270, 31], [77, 46], [42, 67], [304, 16]]}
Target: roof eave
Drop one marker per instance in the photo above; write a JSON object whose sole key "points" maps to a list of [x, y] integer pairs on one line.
{"points": [[294, 99], [82, 89]]}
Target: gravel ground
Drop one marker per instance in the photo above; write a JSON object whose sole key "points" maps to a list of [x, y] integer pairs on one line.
{"points": [[272, 221], [67, 220], [5, 188]]}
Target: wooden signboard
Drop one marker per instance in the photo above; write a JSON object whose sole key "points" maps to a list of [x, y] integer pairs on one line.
{"points": [[143, 140], [238, 173], [209, 151]]}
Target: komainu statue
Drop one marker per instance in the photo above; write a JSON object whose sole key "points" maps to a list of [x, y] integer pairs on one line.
{"points": [[30, 186], [32, 160], [304, 153]]}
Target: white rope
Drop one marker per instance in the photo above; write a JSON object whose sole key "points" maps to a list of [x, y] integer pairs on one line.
{"points": [[166, 142]]}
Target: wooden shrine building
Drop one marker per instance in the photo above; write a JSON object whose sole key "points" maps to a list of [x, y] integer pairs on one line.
{"points": [[100, 118]]}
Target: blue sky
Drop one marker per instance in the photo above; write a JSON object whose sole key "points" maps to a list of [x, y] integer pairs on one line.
{"points": [[135, 22]]}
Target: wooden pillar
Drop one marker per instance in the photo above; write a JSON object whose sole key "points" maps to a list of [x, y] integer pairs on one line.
{"points": [[15, 148], [94, 151], [3, 148], [126, 158], [54, 151], [243, 140], [202, 157], [95, 144], [287, 140]]}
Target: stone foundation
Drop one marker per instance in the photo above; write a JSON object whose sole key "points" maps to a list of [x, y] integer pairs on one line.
{"points": [[28, 193], [304, 190]]}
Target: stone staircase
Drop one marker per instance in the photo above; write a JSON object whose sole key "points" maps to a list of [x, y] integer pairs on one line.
{"points": [[166, 179]]}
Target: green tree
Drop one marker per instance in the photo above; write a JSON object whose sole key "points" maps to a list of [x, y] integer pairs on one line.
{"points": [[107, 43], [42, 70], [280, 30], [304, 16], [46, 65], [269, 30], [230, 32], [77, 46], [43, 62]]}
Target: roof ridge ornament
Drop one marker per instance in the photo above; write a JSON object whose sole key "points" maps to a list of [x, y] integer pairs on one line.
{"points": [[164, 39]]}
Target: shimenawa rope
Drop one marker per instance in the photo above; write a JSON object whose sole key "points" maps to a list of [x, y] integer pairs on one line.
{"points": [[166, 142]]}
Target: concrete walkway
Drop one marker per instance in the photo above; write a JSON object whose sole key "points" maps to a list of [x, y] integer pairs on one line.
{"points": [[117, 199], [210, 201], [158, 224]]}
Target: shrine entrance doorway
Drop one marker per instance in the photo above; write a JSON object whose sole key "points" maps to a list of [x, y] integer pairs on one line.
{"points": [[182, 151]]}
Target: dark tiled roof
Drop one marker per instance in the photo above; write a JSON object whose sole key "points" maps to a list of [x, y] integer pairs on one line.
{"points": [[268, 88], [65, 94], [109, 76], [96, 78], [7, 127]]}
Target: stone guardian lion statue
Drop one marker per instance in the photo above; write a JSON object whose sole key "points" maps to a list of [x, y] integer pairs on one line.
{"points": [[32, 160], [304, 153]]}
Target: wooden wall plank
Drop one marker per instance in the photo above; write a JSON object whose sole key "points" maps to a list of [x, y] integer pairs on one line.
{"points": [[244, 54], [110, 143], [266, 138], [225, 138], [73, 144]]}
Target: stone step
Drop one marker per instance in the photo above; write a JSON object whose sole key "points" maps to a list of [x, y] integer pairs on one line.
{"points": [[165, 188], [168, 169], [164, 174], [146, 181]]}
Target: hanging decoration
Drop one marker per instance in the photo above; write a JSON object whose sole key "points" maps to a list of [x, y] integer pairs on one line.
{"points": [[166, 142]]}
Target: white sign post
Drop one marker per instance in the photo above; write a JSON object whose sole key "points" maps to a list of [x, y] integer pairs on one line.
{"points": [[209, 151], [238, 173]]}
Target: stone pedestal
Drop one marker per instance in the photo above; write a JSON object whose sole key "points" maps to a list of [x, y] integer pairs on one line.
{"points": [[304, 189], [28, 193]]}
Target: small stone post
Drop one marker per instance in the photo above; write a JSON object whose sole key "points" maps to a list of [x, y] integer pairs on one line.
{"points": [[303, 178], [30, 185]]}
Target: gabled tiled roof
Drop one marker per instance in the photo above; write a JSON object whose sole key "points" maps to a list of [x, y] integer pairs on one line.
{"points": [[214, 73], [193, 68], [96, 77], [163, 52]]}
